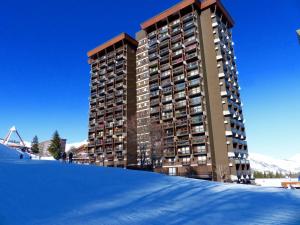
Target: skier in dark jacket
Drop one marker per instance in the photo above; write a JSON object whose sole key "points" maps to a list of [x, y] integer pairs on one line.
{"points": [[70, 157], [64, 156]]}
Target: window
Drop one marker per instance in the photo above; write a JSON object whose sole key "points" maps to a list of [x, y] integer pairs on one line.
{"points": [[172, 171]]}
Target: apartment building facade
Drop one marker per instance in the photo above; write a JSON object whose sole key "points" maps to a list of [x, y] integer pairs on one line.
{"points": [[193, 92], [113, 102], [180, 76]]}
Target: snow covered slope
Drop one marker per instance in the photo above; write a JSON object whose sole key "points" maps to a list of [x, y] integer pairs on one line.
{"points": [[265, 163], [9, 153], [53, 193]]}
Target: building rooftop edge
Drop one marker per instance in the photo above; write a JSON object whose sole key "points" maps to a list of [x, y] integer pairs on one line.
{"points": [[120, 37], [183, 4]]}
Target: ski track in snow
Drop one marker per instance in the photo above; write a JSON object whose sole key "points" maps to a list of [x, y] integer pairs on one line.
{"points": [[52, 193]]}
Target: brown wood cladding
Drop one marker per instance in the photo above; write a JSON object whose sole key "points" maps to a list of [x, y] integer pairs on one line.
{"points": [[122, 36], [184, 4]]}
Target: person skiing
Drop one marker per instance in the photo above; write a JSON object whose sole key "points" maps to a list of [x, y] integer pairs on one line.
{"points": [[70, 157]]}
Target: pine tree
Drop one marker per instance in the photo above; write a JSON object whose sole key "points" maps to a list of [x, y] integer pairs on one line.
{"points": [[35, 145], [55, 147]]}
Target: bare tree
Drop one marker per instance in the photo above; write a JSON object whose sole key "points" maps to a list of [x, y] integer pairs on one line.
{"points": [[156, 140], [141, 147], [222, 173]]}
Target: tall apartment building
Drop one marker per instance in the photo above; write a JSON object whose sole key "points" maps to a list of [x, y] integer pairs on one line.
{"points": [[298, 34], [187, 82], [113, 102]]}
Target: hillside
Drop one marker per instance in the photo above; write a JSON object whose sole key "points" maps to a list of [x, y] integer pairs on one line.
{"points": [[52, 193], [265, 163]]}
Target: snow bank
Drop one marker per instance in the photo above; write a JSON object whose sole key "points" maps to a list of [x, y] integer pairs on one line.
{"points": [[10, 153], [52, 193]]}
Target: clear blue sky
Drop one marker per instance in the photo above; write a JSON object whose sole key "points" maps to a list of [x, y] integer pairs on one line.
{"points": [[44, 73]]}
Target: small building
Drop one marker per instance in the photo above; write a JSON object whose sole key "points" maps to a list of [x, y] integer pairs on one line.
{"points": [[80, 154], [43, 146]]}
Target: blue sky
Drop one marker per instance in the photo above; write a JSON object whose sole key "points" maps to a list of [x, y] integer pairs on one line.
{"points": [[44, 73]]}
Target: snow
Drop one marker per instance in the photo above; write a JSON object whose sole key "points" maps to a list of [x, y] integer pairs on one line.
{"points": [[11, 154], [273, 182], [35, 192], [265, 163]]}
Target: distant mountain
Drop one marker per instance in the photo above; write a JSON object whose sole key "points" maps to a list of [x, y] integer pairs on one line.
{"points": [[265, 163], [75, 145]]}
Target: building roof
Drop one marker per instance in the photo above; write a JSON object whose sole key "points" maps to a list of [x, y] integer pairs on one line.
{"points": [[183, 4], [120, 37]]}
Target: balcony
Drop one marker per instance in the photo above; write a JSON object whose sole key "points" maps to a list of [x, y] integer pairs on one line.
{"points": [[189, 25], [182, 122], [182, 132], [167, 108], [183, 153], [152, 42], [175, 31], [119, 78], [196, 110], [153, 71], [191, 56], [164, 44], [193, 83], [167, 90], [176, 38], [197, 120], [119, 108], [119, 85], [179, 78], [154, 102], [167, 116], [168, 125], [154, 86], [152, 35], [163, 36], [164, 60], [180, 105], [180, 114], [164, 51], [189, 41], [176, 46], [92, 129], [177, 61], [183, 143], [180, 87], [193, 65], [196, 140], [179, 96], [155, 118], [154, 110], [169, 153], [166, 82], [178, 70], [165, 74], [188, 17], [154, 94], [153, 56], [191, 48], [194, 91], [198, 129], [190, 32], [119, 93], [120, 71], [153, 78]]}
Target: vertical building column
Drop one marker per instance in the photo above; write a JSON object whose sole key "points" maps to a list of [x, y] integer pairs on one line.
{"points": [[215, 116]]}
